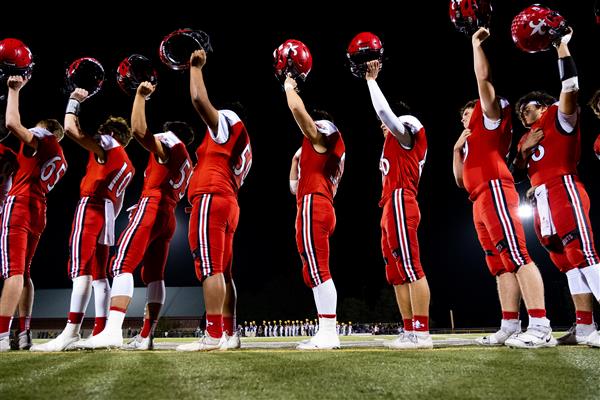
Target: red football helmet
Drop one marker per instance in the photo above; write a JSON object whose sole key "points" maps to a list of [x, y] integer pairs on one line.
{"points": [[177, 47], [292, 57], [15, 58], [134, 70], [86, 73], [470, 15], [536, 28], [362, 48]]}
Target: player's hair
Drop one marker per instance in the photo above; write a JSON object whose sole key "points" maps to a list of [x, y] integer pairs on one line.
{"points": [[595, 103], [317, 115], [181, 129], [542, 98], [469, 104], [118, 128], [238, 108], [52, 126]]}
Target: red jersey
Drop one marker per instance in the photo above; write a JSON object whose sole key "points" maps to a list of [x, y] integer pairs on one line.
{"points": [[485, 151], [40, 172], [321, 172], [558, 152], [224, 158], [107, 180], [400, 166], [168, 181], [8, 167]]}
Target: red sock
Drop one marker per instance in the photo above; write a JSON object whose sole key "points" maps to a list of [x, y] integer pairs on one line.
{"points": [[99, 323], [24, 323], [408, 325], [75, 318], [4, 323], [537, 312], [421, 323], [228, 325], [584, 317], [214, 325], [510, 315], [148, 328]]}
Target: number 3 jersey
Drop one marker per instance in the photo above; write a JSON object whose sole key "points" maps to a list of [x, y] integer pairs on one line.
{"points": [[224, 158]]}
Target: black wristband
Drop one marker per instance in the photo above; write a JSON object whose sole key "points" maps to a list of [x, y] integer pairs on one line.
{"points": [[566, 68]]}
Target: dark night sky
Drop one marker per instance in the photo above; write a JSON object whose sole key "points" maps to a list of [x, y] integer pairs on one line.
{"points": [[428, 64]]}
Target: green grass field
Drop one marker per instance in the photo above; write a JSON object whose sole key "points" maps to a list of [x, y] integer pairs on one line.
{"points": [[446, 373]]}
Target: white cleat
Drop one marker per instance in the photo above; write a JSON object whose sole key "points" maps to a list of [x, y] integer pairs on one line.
{"points": [[412, 341], [593, 339], [206, 343], [498, 338], [62, 342], [24, 340], [140, 343], [321, 341], [233, 342], [401, 337], [535, 337], [103, 340], [5, 343]]}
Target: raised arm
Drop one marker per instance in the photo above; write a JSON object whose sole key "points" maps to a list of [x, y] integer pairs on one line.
{"points": [[72, 128], [13, 117], [139, 126], [458, 158], [568, 75], [202, 104], [382, 107], [303, 119], [487, 94]]}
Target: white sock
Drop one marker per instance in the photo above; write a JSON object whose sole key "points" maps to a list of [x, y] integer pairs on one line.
{"points": [[539, 321], [326, 298], [114, 323], [327, 325], [80, 296], [584, 329], [592, 277], [101, 297], [510, 325]]}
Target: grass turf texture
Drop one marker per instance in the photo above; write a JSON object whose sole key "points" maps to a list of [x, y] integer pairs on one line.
{"points": [[449, 373]]}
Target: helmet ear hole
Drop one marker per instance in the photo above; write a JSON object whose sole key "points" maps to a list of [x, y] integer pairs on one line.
{"points": [[85, 73], [363, 48], [292, 57], [176, 48], [134, 70], [470, 15], [536, 28]]}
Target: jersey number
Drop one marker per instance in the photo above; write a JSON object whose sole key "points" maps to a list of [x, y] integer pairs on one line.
{"points": [[121, 181], [49, 169], [183, 172], [244, 163]]}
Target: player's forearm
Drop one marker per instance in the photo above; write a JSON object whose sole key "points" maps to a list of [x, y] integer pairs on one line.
{"points": [[200, 100], [383, 109]]}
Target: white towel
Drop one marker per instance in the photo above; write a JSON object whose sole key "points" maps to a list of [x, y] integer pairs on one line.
{"points": [[107, 236], [546, 224]]}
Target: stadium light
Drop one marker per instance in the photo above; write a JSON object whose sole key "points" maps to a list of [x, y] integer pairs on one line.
{"points": [[525, 211]]}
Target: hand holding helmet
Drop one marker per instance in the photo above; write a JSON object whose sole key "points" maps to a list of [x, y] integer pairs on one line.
{"points": [[176, 47], [86, 73], [363, 48], [16, 82], [145, 89], [537, 28], [134, 70], [198, 58]]}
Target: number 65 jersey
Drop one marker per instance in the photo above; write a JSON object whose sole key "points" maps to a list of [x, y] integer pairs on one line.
{"points": [[224, 158]]}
